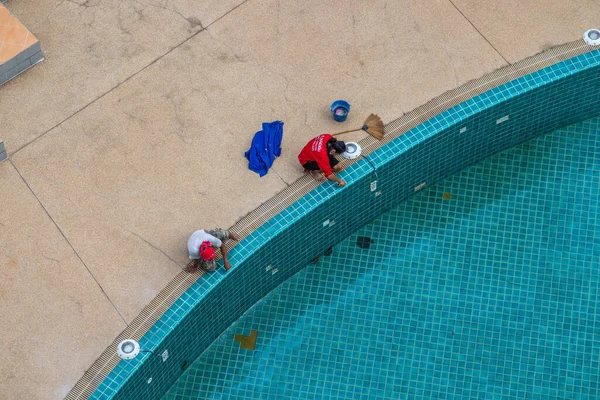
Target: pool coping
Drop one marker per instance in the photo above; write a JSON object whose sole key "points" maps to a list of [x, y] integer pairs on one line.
{"points": [[102, 367]]}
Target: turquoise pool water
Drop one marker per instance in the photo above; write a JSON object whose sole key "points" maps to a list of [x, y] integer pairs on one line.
{"points": [[483, 286]]}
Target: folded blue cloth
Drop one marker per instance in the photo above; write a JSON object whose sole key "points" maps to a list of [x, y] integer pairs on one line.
{"points": [[265, 148]]}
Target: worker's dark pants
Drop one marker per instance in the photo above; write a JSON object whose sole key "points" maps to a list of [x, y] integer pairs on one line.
{"points": [[313, 166]]}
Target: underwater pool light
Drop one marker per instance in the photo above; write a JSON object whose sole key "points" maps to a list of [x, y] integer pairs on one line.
{"points": [[592, 37], [353, 150], [128, 349]]}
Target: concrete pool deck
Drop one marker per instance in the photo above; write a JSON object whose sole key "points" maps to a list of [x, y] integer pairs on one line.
{"points": [[110, 138]]}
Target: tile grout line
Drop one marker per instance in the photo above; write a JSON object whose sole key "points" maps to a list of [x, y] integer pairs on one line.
{"points": [[68, 242], [478, 31], [202, 29]]}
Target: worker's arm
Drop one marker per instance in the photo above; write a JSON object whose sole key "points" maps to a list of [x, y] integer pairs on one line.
{"points": [[339, 181], [323, 163], [225, 258]]}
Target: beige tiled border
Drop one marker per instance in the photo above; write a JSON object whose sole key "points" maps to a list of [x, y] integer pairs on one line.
{"points": [[153, 311]]}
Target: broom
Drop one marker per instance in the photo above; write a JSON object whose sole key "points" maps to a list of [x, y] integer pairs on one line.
{"points": [[373, 126]]}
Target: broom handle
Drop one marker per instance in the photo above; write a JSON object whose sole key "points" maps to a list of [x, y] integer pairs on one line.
{"points": [[351, 130]]}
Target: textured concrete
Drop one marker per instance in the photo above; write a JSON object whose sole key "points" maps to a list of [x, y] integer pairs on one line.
{"points": [[150, 141], [90, 47], [519, 29], [54, 319]]}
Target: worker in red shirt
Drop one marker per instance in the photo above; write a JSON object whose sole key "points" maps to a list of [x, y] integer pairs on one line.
{"points": [[318, 156]]}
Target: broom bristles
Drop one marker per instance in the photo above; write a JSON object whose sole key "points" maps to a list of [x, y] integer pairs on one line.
{"points": [[375, 126]]}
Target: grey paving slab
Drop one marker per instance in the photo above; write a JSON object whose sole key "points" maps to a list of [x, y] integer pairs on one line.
{"points": [[18, 69], [11, 73], [28, 52], [22, 66], [8, 65], [36, 58]]}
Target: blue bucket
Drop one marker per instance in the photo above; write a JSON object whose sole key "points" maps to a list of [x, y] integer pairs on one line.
{"points": [[340, 110]]}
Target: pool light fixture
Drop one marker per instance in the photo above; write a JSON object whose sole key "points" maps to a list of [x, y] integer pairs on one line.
{"points": [[353, 150], [128, 349], [592, 37]]}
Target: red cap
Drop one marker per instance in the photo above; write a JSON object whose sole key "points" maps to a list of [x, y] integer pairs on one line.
{"points": [[206, 251]]}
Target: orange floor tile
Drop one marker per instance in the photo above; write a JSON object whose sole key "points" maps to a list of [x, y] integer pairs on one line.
{"points": [[14, 37]]}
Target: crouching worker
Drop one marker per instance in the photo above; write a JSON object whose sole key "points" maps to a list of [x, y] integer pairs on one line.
{"points": [[201, 246], [318, 156]]}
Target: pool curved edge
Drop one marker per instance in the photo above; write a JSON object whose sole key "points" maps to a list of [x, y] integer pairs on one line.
{"points": [[419, 148]]}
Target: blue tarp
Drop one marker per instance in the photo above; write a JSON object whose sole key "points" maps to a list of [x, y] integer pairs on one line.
{"points": [[265, 148]]}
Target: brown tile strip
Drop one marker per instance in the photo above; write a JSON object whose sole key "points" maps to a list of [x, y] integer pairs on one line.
{"points": [[247, 342], [153, 311]]}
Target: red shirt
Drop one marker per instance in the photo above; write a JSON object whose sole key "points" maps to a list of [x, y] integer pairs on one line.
{"points": [[316, 150]]}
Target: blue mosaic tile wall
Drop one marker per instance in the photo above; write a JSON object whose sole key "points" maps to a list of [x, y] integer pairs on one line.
{"points": [[482, 286], [530, 106]]}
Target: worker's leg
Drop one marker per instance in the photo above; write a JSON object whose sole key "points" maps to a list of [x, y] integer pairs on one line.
{"points": [[223, 234], [314, 170], [334, 163]]}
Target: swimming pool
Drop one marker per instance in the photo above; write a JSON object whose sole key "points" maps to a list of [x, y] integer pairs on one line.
{"points": [[452, 132], [483, 286]]}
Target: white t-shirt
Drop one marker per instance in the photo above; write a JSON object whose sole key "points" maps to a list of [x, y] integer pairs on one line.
{"points": [[196, 240]]}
